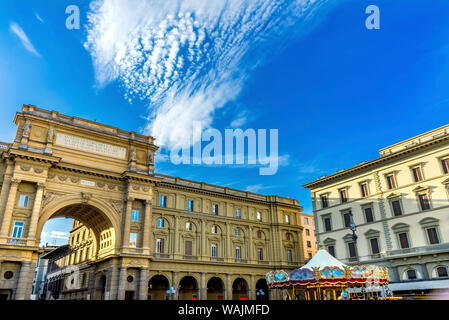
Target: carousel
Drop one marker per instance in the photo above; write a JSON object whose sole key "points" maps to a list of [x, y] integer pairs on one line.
{"points": [[326, 278]]}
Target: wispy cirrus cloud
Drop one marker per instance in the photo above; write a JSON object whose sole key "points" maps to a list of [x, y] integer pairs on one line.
{"points": [[18, 31], [188, 58], [38, 17]]}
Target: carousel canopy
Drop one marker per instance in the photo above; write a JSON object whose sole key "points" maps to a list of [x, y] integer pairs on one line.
{"points": [[323, 259]]}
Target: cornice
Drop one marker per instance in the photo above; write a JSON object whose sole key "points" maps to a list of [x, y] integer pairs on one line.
{"points": [[368, 164]]}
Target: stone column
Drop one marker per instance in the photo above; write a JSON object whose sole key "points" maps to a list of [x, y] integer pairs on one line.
{"points": [[113, 282], [228, 287], [121, 284], [4, 231], [127, 222], [252, 290], [23, 282], [203, 286], [203, 239], [174, 284], [176, 238], [91, 287], [228, 243], [147, 230], [250, 249], [143, 284], [36, 209], [3, 194]]}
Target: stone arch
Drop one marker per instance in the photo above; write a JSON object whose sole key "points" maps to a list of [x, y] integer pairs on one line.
{"points": [[240, 288], [215, 288], [262, 292], [440, 268], [188, 287], [67, 206], [158, 284]]}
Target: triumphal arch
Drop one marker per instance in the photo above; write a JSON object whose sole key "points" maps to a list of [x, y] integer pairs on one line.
{"points": [[142, 232]]}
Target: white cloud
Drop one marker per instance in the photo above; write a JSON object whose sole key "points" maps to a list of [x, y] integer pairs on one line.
{"points": [[38, 17], [55, 234], [18, 31], [187, 58], [239, 120]]}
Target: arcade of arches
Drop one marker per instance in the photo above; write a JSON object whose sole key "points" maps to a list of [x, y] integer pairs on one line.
{"points": [[136, 234]]}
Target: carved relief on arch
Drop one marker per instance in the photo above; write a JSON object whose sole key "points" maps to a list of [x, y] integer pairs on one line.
{"points": [[24, 167], [49, 197], [74, 179], [62, 177], [38, 170]]}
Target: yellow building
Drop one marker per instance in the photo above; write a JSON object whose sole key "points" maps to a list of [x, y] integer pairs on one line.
{"points": [[136, 233], [399, 204], [309, 239]]}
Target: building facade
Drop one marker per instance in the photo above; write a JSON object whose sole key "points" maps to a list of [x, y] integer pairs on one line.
{"points": [[309, 239], [136, 233], [40, 274], [398, 206]]}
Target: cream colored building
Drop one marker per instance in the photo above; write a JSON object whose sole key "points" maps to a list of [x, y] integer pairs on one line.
{"points": [[400, 206], [136, 233], [309, 238]]}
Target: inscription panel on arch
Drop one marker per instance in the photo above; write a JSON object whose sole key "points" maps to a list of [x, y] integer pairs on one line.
{"points": [[90, 146]]}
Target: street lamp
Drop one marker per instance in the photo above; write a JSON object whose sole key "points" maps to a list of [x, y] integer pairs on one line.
{"points": [[171, 293], [353, 228], [260, 294]]}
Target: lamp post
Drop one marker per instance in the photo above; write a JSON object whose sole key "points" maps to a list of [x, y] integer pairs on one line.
{"points": [[260, 294], [354, 236], [171, 293]]}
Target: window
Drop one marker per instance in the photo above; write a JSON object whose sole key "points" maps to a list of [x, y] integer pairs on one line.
{"points": [[307, 232], [214, 250], [390, 181], [403, 240], [442, 272], [18, 229], [163, 201], [309, 244], [445, 164], [364, 189], [160, 223], [432, 235], [374, 246], [396, 205], [287, 219], [160, 245], [259, 216], [424, 201], [287, 237], [343, 195], [411, 274], [368, 214], [188, 248], [238, 214], [259, 234], [417, 174], [331, 250], [324, 203], [133, 240], [347, 219], [135, 215], [260, 254], [215, 209], [309, 255], [351, 248], [327, 224], [237, 232], [238, 252], [189, 226], [190, 205], [23, 201], [214, 229], [289, 255], [306, 220]]}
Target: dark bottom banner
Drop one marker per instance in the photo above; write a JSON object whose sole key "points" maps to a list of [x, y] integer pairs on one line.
{"points": [[190, 310]]}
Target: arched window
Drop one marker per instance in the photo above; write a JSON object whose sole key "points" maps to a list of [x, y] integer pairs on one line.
{"points": [[259, 234], [411, 274], [161, 223], [441, 272], [214, 229], [237, 232]]}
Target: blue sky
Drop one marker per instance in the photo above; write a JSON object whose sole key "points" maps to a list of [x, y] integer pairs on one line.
{"points": [[336, 91]]}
